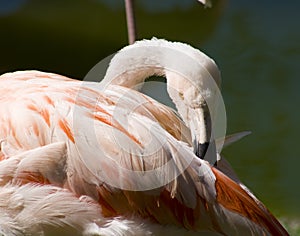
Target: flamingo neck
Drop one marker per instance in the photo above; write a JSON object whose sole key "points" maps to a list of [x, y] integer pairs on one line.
{"points": [[192, 79]]}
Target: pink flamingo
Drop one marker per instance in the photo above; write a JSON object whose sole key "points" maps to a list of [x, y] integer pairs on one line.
{"points": [[103, 158]]}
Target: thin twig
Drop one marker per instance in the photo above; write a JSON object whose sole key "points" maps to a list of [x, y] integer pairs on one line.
{"points": [[131, 27]]}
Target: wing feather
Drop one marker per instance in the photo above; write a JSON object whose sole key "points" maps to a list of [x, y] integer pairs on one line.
{"points": [[30, 209], [45, 164], [138, 162]]}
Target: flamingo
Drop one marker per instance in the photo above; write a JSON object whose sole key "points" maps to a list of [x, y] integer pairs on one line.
{"points": [[105, 159]]}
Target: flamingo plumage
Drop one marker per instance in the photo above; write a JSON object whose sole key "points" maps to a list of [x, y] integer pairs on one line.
{"points": [[128, 164]]}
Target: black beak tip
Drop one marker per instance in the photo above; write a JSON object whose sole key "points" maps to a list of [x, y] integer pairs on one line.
{"points": [[201, 149]]}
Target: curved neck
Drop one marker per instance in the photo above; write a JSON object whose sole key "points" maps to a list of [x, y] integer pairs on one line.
{"points": [[135, 63], [192, 78]]}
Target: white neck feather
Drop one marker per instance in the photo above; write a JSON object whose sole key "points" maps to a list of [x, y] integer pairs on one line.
{"points": [[189, 72]]}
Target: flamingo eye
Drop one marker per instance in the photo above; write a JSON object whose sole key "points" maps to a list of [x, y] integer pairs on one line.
{"points": [[181, 95]]}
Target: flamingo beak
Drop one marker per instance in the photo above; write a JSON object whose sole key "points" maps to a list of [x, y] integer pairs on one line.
{"points": [[201, 130]]}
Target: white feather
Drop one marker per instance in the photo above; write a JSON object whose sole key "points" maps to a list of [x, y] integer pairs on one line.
{"points": [[34, 209]]}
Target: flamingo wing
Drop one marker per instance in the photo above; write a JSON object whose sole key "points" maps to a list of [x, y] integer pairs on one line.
{"points": [[123, 152]]}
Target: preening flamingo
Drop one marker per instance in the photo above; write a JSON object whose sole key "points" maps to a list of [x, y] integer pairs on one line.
{"points": [[103, 158]]}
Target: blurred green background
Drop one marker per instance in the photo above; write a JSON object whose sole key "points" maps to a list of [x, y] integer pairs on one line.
{"points": [[255, 44]]}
